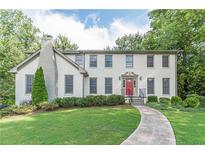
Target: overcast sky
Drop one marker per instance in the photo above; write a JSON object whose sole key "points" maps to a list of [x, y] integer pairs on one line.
{"points": [[90, 29]]}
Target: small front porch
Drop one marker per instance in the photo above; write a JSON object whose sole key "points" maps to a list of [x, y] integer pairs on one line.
{"points": [[130, 88]]}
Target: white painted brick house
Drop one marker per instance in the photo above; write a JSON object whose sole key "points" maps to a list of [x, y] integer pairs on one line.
{"points": [[98, 72]]}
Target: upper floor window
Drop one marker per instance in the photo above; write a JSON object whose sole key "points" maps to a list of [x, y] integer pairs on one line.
{"points": [[108, 85], [93, 85], [129, 61], [93, 60], [165, 61], [108, 60], [68, 84], [79, 60], [165, 85], [29, 80], [150, 85], [150, 61]]}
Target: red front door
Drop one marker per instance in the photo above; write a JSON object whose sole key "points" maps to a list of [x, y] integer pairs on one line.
{"points": [[129, 87]]}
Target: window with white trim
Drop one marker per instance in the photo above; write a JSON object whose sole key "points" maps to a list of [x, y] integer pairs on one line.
{"points": [[150, 85], [68, 84], [165, 61], [150, 61], [29, 80], [93, 60], [129, 61], [166, 85], [93, 85], [108, 85], [79, 60], [108, 60]]}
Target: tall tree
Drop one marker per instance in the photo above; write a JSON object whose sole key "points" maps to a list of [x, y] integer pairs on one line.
{"points": [[62, 42], [182, 30], [17, 35], [129, 42]]}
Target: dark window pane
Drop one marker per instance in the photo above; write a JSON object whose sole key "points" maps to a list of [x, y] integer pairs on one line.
{"points": [[150, 61], [129, 60], [123, 83], [29, 79], [79, 60], [108, 85], [93, 85], [166, 85], [68, 84], [165, 61], [150, 86], [93, 60], [108, 60]]}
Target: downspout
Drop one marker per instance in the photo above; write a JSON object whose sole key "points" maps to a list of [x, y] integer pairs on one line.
{"points": [[83, 75]]}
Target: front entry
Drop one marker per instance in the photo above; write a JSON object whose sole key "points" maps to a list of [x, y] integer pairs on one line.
{"points": [[129, 87]]}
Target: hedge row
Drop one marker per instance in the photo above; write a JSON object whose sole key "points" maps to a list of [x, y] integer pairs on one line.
{"points": [[192, 101], [98, 100]]}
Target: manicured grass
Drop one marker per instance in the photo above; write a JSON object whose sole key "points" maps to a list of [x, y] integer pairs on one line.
{"points": [[95, 125], [188, 123], [189, 127]]}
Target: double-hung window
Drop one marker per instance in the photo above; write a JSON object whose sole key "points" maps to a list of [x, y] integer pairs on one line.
{"points": [[129, 61], [79, 60], [150, 85], [29, 79], [93, 60], [108, 60], [68, 84], [165, 84], [165, 61], [150, 61], [108, 85], [93, 85]]}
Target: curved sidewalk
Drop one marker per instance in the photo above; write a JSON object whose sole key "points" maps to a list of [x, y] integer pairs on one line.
{"points": [[154, 129]]}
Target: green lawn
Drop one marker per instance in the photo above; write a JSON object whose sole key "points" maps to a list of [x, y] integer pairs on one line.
{"points": [[96, 125], [189, 127]]}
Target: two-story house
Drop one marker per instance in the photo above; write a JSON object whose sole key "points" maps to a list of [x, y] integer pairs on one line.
{"points": [[98, 72]]}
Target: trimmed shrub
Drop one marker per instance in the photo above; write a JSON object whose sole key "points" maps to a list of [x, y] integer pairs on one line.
{"points": [[98, 100], [22, 109], [39, 91], [191, 102], [202, 100], [45, 106], [5, 112], [152, 99], [176, 100], [115, 100], [194, 95], [165, 100]]}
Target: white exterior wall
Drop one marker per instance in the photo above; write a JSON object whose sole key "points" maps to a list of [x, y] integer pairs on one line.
{"points": [[118, 68], [64, 68], [139, 67], [20, 87]]}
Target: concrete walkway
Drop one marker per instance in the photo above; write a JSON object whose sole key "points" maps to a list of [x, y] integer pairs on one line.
{"points": [[154, 129]]}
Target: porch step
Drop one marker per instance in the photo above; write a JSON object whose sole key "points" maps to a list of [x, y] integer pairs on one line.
{"points": [[136, 100]]}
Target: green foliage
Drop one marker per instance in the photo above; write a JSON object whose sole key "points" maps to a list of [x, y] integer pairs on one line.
{"points": [[176, 100], [202, 100], [182, 30], [45, 106], [63, 43], [22, 109], [165, 100], [115, 100], [17, 35], [191, 102], [129, 42], [97, 100], [39, 91], [5, 112], [152, 99]]}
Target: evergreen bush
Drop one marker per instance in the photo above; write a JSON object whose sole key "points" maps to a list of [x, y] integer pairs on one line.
{"points": [[39, 91]]}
